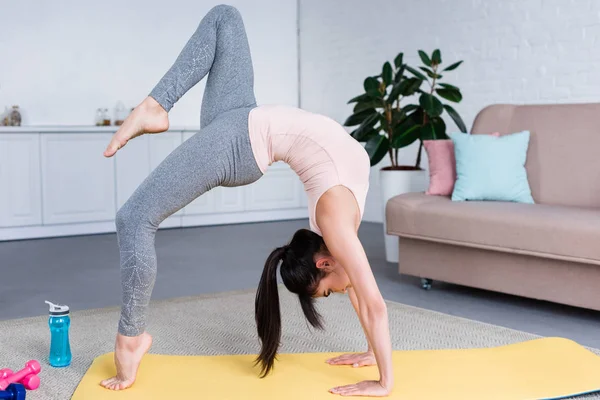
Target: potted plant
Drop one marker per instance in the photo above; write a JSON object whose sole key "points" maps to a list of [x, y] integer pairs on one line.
{"points": [[385, 125]]}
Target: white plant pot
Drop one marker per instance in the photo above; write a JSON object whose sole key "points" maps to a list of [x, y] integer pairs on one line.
{"points": [[393, 183]]}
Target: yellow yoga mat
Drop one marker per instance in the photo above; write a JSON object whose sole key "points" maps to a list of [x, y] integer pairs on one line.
{"points": [[545, 368]]}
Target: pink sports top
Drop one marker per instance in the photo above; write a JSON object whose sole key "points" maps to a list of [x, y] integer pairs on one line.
{"points": [[316, 147]]}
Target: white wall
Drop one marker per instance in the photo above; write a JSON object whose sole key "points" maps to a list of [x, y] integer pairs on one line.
{"points": [[517, 51], [61, 60]]}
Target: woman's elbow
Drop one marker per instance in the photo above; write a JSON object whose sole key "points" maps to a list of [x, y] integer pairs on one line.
{"points": [[376, 310]]}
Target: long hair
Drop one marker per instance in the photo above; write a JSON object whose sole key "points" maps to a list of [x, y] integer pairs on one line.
{"points": [[300, 275]]}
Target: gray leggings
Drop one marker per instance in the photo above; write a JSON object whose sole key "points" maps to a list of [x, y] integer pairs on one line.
{"points": [[219, 155]]}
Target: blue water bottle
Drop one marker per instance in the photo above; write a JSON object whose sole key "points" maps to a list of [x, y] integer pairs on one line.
{"points": [[59, 323]]}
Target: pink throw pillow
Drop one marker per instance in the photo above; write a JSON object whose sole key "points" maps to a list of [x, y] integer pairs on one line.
{"points": [[442, 166]]}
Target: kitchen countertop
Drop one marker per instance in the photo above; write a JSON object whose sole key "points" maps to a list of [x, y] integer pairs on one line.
{"points": [[78, 129]]}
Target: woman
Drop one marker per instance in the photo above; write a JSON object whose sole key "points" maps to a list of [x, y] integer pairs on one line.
{"points": [[236, 143]]}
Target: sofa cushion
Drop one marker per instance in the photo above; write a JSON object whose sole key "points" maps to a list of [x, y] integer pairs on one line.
{"points": [[491, 168], [562, 158], [560, 232]]}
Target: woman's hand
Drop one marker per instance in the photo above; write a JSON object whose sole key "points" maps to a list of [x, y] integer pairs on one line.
{"points": [[354, 359], [364, 388]]}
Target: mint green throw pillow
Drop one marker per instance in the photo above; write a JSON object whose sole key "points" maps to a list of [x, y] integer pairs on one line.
{"points": [[491, 168]]}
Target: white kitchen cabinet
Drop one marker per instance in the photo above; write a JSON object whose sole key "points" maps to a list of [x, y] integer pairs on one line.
{"points": [[55, 181], [229, 199], [162, 145], [77, 180], [20, 190], [277, 189]]}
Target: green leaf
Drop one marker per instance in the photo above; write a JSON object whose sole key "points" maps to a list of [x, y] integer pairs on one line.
{"points": [[410, 86], [429, 72], [425, 58], [440, 128], [387, 73], [359, 117], [359, 98], [450, 94], [367, 105], [365, 131], [403, 138], [435, 129], [448, 86], [417, 116], [436, 57], [399, 74], [453, 66], [395, 92], [456, 118], [384, 123], [405, 88], [397, 116], [398, 60], [366, 136], [427, 132], [432, 106], [416, 73], [371, 86], [377, 147]]}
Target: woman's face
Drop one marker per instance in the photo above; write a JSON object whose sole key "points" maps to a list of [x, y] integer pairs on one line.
{"points": [[336, 280]]}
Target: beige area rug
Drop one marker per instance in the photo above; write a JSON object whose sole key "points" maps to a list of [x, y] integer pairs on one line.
{"points": [[223, 323]]}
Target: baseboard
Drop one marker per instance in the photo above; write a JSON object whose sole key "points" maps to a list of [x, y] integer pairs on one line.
{"points": [[175, 221]]}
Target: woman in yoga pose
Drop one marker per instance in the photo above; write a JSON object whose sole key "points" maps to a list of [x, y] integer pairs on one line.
{"points": [[237, 141]]}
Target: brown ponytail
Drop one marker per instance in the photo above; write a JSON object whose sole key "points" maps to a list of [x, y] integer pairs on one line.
{"points": [[267, 312], [300, 275]]}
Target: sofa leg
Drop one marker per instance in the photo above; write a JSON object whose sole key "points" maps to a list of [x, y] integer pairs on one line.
{"points": [[426, 283]]}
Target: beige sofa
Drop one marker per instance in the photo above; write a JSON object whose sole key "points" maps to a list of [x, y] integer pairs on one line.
{"points": [[549, 250]]}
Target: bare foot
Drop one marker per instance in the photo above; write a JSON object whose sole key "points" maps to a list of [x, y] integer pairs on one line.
{"points": [[148, 117], [128, 356]]}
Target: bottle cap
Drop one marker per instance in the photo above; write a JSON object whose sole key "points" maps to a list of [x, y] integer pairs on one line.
{"points": [[56, 309]]}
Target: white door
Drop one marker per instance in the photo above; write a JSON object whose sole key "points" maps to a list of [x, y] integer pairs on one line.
{"points": [[276, 190], [78, 181], [20, 194]]}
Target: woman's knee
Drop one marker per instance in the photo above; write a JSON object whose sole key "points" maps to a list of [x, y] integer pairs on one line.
{"points": [[124, 218], [129, 218], [225, 11], [132, 216]]}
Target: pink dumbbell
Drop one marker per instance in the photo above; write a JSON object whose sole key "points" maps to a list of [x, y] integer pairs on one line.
{"points": [[31, 382], [27, 376]]}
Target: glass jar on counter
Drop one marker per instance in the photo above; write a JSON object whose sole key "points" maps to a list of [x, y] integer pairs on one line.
{"points": [[120, 113], [106, 117], [5, 117], [15, 116], [99, 120]]}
